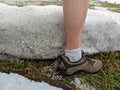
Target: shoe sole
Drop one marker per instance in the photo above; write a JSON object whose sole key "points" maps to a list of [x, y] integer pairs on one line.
{"points": [[79, 71]]}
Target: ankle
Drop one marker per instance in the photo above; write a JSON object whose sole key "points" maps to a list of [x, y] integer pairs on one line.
{"points": [[74, 55]]}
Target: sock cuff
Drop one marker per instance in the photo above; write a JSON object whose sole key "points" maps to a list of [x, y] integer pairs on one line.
{"points": [[74, 55], [77, 49]]}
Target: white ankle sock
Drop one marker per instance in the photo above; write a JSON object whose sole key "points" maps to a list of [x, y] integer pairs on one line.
{"points": [[74, 55]]}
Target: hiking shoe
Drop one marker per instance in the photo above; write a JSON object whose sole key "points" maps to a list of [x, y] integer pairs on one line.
{"points": [[65, 67]]}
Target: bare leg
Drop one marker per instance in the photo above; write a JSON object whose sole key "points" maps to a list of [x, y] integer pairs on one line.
{"points": [[74, 18]]}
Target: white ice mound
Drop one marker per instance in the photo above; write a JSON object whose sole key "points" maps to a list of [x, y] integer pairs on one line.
{"points": [[38, 31]]}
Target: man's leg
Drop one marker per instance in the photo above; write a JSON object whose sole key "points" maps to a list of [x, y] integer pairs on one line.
{"points": [[74, 18], [73, 61]]}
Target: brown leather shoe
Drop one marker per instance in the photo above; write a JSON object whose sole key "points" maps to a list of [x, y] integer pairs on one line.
{"points": [[65, 67]]}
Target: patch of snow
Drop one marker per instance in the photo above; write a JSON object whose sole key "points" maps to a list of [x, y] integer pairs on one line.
{"points": [[111, 1], [17, 82], [101, 8], [85, 86]]}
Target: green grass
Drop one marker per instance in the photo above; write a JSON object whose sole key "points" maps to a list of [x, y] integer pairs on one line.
{"points": [[42, 3], [91, 6], [51, 3], [112, 7], [107, 79]]}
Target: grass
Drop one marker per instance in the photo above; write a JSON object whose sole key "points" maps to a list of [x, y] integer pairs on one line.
{"points": [[19, 4], [110, 6], [91, 6], [107, 79], [41, 3], [51, 3]]}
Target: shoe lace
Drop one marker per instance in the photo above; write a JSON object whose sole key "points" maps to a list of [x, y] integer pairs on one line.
{"points": [[87, 58], [91, 61]]}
